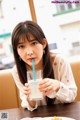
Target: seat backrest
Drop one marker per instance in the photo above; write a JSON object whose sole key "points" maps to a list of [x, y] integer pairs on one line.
{"points": [[76, 73], [8, 91]]}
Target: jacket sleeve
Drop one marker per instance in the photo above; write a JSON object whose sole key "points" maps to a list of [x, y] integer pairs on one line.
{"points": [[68, 88], [23, 97]]}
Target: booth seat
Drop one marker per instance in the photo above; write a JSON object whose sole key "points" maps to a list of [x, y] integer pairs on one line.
{"points": [[9, 95], [76, 73]]}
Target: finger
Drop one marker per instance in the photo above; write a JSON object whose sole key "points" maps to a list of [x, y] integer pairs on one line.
{"points": [[45, 86], [27, 90], [44, 83], [26, 84], [47, 89], [47, 92]]}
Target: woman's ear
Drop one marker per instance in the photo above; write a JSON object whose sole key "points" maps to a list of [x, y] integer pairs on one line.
{"points": [[44, 43]]}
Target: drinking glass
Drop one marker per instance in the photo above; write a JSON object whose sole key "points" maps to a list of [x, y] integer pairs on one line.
{"points": [[34, 85]]}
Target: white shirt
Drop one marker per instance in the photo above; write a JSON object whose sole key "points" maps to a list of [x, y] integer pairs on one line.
{"points": [[63, 73]]}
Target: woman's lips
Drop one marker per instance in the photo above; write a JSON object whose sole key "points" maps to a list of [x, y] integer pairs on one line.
{"points": [[30, 59]]}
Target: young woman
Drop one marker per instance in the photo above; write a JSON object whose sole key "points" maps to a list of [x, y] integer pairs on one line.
{"points": [[58, 85]]}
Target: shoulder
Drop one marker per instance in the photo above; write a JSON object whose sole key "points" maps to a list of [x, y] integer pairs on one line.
{"points": [[14, 72], [14, 69], [52, 55], [58, 58]]}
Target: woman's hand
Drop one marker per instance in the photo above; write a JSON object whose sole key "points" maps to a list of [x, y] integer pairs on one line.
{"points": [[48, 86], [27, 89], [27, 92]]}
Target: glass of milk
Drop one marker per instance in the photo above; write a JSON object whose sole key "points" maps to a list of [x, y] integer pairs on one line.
{"points": [[34, 85]]}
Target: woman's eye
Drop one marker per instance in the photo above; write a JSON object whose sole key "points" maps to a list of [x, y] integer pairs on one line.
{"points": [[34, 43], [21, 46]]}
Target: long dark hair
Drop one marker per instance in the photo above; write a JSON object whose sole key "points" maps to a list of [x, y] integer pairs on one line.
{"points": [[22, 29]]}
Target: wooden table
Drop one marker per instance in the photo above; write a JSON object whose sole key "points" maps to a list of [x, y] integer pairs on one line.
{"points": [[66, 110]]}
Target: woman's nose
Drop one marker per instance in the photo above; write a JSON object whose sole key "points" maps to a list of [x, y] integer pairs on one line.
{"points": [[29, 51]]}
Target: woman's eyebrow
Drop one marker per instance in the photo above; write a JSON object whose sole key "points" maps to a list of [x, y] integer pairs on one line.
{"points": [[31, 40], [20, 43]]}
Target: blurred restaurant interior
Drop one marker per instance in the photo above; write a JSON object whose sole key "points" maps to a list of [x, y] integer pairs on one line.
{"points": [[60, 23]]}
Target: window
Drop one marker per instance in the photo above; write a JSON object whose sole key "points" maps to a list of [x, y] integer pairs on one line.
{"points": [[69, 6], [76, 44], [53, 46], [62, 7], [77, 4], [1, 11]]}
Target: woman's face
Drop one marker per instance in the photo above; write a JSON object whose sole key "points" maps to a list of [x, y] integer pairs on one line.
{"points": [[32, 49]]}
